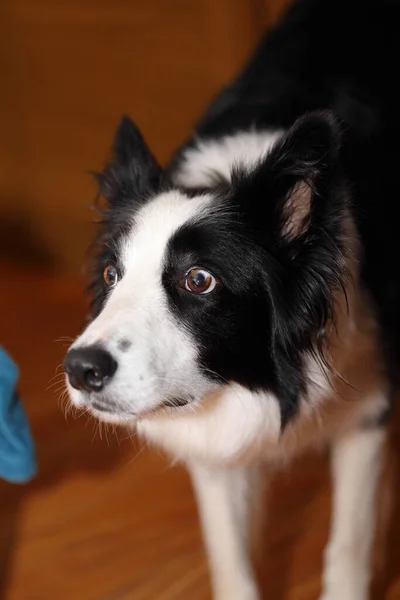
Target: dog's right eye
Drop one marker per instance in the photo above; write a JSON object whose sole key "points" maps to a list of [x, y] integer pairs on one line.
{"points": [[110, 275], [199, 281]]}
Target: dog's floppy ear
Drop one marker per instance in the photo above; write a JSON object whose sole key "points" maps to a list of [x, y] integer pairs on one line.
{"points": [[133, 172]]}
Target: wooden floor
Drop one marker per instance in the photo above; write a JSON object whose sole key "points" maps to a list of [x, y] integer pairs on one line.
{"points": [[106, 521]]}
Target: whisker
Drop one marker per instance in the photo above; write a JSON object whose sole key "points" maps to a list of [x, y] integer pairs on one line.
{"points": [[55, 379], [64, 338]]}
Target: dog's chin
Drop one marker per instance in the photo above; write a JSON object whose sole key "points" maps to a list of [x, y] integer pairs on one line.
{"points": [[113, 418], [130, 419], [111, 414]]}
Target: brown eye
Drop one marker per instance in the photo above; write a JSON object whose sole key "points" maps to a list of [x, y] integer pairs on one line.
{"points": [[110, 275], [199, 281]]}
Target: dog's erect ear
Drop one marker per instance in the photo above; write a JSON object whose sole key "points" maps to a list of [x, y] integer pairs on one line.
{"points": [[297, 180], [133, 172], [130, 147], [296, 203]]}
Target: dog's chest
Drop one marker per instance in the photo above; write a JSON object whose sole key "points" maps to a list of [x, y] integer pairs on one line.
{"points": [[228, 426]]}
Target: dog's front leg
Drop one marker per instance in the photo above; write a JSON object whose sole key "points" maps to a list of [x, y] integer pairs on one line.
{"points": [[356, 463], [229, 502]]}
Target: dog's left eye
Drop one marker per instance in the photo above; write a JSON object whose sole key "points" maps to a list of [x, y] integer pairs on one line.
{"points": [[110, 275], [199, 281]]}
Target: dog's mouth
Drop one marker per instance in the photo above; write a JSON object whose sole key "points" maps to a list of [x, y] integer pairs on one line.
{"points": [[177, 402], [111, 412], [105, 407]]}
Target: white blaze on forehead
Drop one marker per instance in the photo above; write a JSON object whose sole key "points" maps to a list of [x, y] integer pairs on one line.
{"points": [[138, 301], [161, 362], [154, 225]]}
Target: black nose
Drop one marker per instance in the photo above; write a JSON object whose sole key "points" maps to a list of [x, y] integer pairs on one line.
{"points": [[89, 368]]}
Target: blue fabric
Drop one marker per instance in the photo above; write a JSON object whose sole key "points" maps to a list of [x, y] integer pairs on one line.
{"points": [[17, 453]]}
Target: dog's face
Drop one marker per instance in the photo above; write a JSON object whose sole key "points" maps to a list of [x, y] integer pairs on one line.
{"points": [[195, 290]]}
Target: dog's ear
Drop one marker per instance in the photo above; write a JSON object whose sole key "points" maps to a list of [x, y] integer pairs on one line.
{"points": [[133, 172], [297, 186], [296, 204]]}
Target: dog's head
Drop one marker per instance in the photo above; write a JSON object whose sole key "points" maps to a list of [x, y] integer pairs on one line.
{"points": [[193, 290]]}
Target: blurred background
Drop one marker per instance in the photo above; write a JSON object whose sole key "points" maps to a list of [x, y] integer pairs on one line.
{"points": [[69, 70], [106, 519]]}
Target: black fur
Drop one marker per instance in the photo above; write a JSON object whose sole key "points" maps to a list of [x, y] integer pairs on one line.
{"points": [[276, 292], [340, 55], [275, 298]]}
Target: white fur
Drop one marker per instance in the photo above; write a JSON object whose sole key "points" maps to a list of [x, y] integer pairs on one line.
{"points": [[228, 497], [357, 462], [161, 362], [208, 158], [226, 501], [230, 426]]}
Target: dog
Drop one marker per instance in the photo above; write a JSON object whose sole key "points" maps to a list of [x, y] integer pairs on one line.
{"points": [[245, 298]]}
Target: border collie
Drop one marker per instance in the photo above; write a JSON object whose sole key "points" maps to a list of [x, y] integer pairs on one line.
{"points": [[245, 299]]}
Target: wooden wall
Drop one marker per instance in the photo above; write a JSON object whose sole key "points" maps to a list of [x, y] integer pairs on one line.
{"points": [[70, 68]]}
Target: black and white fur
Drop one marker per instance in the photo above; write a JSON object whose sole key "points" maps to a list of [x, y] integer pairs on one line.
{"points": [[287, 196]]}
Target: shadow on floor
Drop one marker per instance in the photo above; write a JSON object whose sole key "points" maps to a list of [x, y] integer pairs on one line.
{"points": [[20, 243]]}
